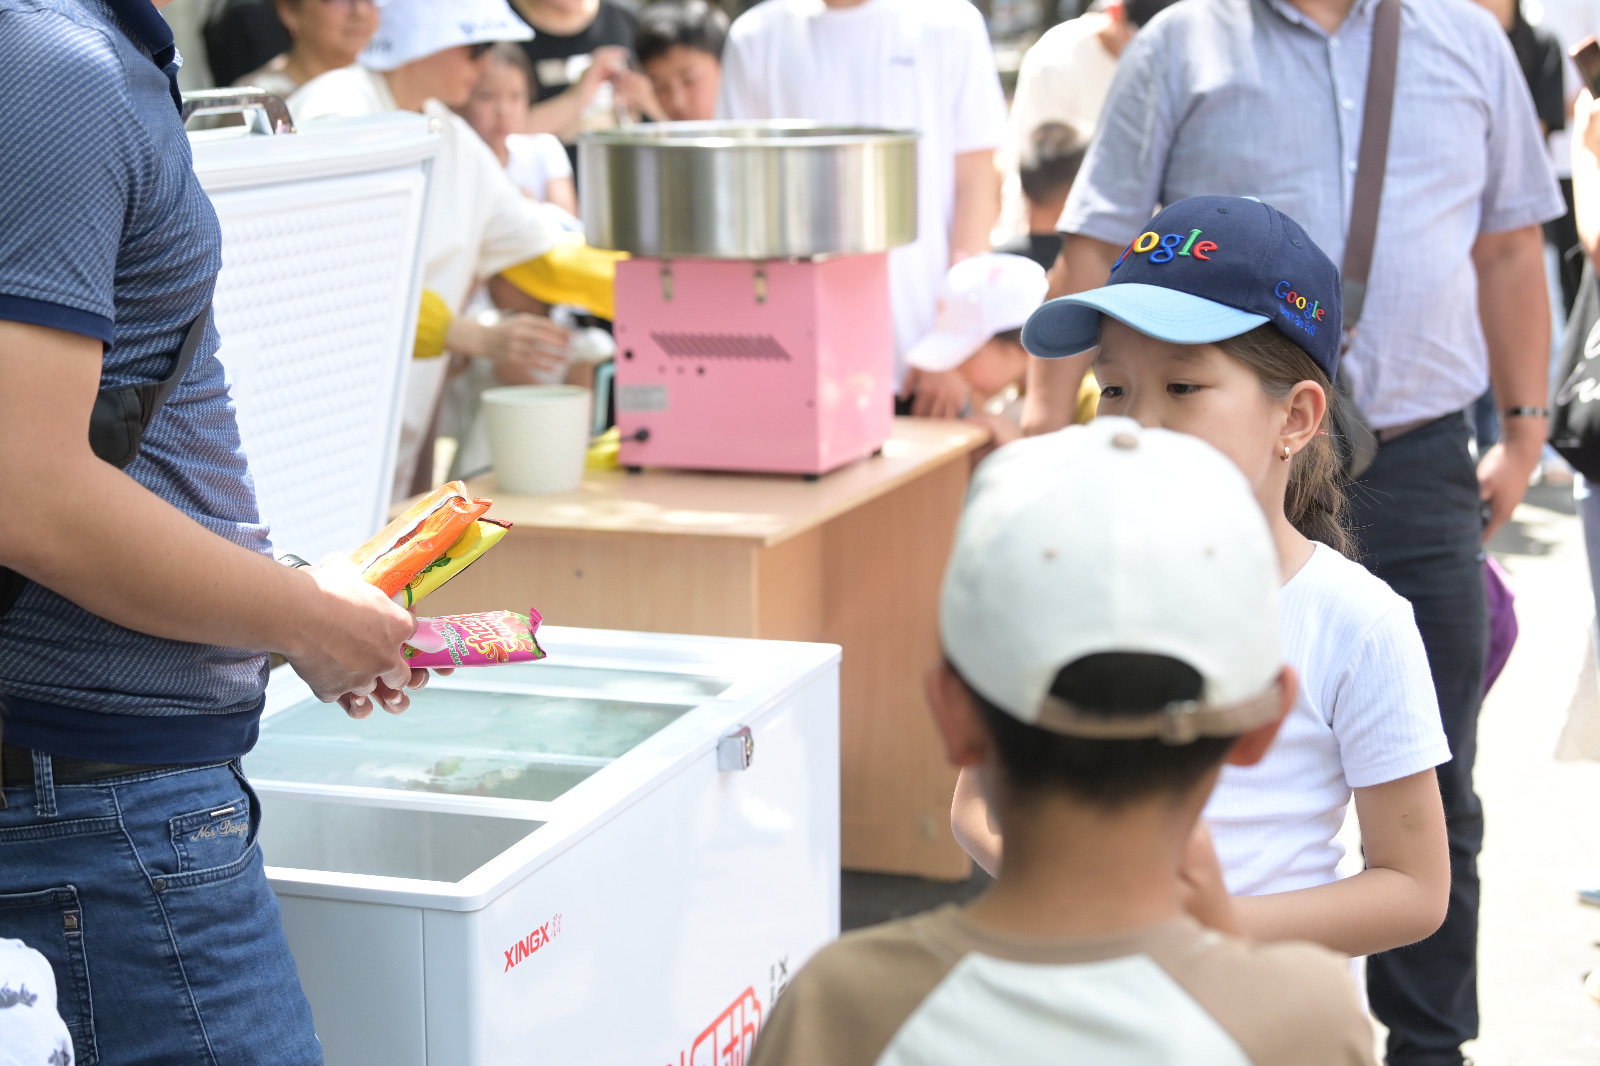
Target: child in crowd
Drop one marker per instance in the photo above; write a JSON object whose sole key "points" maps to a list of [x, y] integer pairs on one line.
{"points": [[536, 162], [1222, 320], [977, 329], [1048, 166], [1110, 626], [679, 45], [977, 333]]}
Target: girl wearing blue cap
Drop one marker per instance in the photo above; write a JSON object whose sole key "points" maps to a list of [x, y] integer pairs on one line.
{"points": [[1222, 320]]}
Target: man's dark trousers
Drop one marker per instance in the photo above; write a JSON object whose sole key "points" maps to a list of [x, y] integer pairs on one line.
{"points": [[1417, 517]]}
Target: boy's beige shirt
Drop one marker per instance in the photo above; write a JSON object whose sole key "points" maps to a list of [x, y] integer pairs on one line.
{"points": [[937, 988]]}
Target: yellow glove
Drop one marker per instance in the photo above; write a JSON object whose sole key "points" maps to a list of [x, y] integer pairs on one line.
{"points": [[571, 273], [433, 322]]}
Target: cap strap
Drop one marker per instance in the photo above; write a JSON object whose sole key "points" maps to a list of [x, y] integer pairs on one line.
{"points": [[1177, 723]]}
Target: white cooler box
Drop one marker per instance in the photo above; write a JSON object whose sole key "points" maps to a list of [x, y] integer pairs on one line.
{"points": [[317, 308], [575, 862]]}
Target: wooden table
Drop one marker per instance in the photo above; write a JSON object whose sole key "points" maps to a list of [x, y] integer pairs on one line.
{"points": [[854, 558]]}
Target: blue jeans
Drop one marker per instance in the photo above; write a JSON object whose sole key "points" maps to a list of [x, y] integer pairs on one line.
{"points": [[1418, 520], [147, 895]]}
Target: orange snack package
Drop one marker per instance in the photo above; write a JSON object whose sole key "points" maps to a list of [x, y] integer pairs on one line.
{"points": [[404, 548]]}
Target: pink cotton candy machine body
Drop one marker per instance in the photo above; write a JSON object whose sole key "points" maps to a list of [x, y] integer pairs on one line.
{"points": [[753, 325]]}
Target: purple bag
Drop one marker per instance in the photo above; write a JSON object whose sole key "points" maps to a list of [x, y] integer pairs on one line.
{"points": [[1502, 620]]}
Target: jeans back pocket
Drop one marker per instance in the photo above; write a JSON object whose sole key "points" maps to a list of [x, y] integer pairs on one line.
{"points": [[51, 922]]}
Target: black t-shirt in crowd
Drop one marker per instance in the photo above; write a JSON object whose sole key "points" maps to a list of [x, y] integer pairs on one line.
{"points": [[1539, 54], [549, 52]]}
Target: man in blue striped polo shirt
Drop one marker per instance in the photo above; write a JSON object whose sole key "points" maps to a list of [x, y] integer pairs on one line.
{"points": [[142, 600]]}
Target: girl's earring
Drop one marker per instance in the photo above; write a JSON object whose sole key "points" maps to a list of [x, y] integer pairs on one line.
{"points": [[1286, 453]]}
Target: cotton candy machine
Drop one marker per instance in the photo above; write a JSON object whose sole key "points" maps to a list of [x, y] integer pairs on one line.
{"points": [[753, 323]]}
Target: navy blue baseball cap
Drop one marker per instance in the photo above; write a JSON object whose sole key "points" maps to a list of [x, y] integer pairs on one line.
{"points": [[1203, 270]]}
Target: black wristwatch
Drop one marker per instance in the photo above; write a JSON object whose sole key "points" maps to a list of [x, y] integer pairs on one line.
{"points": [[1526, 412]]}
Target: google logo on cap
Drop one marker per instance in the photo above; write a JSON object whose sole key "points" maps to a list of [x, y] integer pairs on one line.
{"points": [[1308, 308], [1165, 249]]}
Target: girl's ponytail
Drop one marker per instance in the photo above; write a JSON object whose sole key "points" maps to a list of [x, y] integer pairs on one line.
{"points": [[1314, 503]]}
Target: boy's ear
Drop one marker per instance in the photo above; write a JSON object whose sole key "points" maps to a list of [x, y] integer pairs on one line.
{"points": [[1252, 747], [961, 728]]}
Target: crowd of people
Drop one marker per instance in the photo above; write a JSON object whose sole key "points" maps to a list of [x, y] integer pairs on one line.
{"points": [[1265, 344]]}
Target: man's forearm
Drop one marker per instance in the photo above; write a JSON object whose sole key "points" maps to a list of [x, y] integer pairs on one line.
{"points": [[1084, 263], [976, 206], [559, 115], [149, 568], [1514, 308]]}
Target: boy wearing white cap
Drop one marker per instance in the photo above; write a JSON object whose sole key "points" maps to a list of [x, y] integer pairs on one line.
{"points": [[1097, 704], [427, 56], [977, 333]]}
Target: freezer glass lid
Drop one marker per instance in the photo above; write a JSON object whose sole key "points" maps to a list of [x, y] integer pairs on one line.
{"points": [[474, 741]]}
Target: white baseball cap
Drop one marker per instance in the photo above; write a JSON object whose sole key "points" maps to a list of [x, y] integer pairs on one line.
{"points": [[1113, 538], [408, 30], [979, 297]]}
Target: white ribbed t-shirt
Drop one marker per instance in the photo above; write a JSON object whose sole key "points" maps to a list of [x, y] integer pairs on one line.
{"points": [[1366, 715]]}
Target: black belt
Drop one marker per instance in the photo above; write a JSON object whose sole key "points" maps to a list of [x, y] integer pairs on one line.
{"points": [[16, 768], [1394, 433]]}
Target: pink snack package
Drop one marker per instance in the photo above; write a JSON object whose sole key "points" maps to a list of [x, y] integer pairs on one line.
{"points": [[487, 639]]}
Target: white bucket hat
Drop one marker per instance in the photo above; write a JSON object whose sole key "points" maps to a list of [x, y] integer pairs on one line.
{"points": [[1112, 538], [408, 30]]}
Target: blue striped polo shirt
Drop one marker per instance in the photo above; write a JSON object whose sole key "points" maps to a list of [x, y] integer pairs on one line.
{"points": [[105, 232]]}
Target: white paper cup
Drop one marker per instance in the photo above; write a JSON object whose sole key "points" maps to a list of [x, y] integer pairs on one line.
{"points": [[538, 436]]}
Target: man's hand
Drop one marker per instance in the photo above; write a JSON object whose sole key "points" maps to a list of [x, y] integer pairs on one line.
{"points": [[606, 63], [640, 96], [938, 395], [1504, 470], [526, 349], [350, 649]]}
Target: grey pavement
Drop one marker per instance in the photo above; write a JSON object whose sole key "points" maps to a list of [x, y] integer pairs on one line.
{"points": [[1543, 813]]}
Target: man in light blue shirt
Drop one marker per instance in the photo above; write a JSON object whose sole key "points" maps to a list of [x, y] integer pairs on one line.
{"points": [[1265, 98]]}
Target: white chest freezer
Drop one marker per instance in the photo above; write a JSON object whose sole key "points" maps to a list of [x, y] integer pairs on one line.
{"points": [[579, 861], [316, 305]]}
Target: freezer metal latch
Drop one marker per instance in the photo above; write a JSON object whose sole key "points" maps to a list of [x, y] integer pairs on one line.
{"points": [[735, 750]]}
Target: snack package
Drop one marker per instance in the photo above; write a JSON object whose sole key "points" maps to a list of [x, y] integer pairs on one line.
{"points": [[487, 639], [478, 538], [426, 530]]}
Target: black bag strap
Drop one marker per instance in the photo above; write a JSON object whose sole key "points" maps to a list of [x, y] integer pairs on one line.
{"points": [[121, 415], [1372, 161], [117, 424], [180, 368]]}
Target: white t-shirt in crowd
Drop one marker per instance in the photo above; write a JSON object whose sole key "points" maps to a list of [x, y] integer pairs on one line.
{"points": [[31, 1031], [478, 223], [1064, 77], [1366, 715], [903, 64], [534, 160]]}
